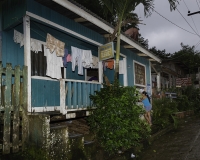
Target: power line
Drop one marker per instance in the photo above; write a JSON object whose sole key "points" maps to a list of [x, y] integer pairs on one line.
{"points": [[174, 23], [187, 21], [186, 5], [191, 16], [198, 4], [197, 45]]}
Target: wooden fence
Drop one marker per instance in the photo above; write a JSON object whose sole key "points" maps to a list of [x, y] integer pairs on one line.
{"points": [[13, 101]]}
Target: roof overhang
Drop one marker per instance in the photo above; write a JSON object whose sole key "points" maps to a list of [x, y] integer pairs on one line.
{"points": [[81, 15]]}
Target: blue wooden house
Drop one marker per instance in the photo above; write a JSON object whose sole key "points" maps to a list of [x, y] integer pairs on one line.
{"points": [[24, 22]]}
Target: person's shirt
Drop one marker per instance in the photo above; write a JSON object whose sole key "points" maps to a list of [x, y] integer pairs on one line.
{"points": [[146, 102]]}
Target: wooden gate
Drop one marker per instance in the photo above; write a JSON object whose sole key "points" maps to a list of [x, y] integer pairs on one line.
{"points": [[13, 101]]}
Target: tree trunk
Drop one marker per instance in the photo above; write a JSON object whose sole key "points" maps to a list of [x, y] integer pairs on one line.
{"points": [[117, 52]]}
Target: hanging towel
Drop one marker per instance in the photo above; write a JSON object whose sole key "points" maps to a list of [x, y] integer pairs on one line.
{"points": [[54, 44], [36, 46], [18, 38]]}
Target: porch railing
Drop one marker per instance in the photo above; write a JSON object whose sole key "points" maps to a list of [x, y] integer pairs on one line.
{"points": [[74, 94]]}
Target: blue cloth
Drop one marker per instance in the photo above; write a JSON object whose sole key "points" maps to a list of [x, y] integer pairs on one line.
{"points": [[147, 104], [65, 58]]}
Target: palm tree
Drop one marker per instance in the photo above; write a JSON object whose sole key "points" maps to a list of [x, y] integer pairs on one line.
{"points": [[122, 9]]}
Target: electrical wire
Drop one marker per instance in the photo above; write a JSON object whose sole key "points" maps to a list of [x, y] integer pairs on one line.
{"points": [[191, 16], [174, 23], [187, 21], [197, 45], [186, 5], [198, 4]]}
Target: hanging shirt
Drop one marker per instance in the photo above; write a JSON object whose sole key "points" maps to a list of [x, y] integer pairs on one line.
{"points": [[54, 65], [76, 59], [95, 62], [87, 58]]}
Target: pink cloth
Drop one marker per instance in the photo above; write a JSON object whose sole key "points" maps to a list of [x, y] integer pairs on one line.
{"points": [[69, 58]]}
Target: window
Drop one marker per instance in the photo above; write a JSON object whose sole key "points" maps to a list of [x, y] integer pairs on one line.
{"points": [[140, 72]]}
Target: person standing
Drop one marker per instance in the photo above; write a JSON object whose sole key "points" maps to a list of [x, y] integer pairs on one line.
{"points": [[147, 105]]}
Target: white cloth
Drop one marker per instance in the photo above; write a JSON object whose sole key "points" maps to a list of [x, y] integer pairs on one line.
{"points": [[54, 64], [87, 58], [95, 62], [121, 67], [18, 38], [36, 46], [76, 58]]}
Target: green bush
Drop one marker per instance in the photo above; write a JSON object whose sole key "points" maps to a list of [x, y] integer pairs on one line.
{"points": [[115, 122], [163, 112]]}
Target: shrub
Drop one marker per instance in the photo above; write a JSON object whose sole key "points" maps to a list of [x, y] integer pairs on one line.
{"points": [[163, 112], [115, 122]]}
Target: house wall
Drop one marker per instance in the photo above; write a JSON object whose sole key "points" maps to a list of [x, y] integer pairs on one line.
{"points": [[46, 92], [13, 11], [133, 56], [11, 52], [47, 13]]}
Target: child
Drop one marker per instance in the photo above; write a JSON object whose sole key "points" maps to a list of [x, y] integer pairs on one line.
{"points": [[147, 105]]}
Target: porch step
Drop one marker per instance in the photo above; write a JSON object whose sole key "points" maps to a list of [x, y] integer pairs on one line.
{"points": [[74, 135], [88, 142]]}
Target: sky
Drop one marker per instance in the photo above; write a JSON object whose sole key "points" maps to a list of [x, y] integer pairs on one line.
{"points": [[166, 35]]}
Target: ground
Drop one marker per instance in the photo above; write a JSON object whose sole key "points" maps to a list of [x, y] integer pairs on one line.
{"points": [[180, 144]]}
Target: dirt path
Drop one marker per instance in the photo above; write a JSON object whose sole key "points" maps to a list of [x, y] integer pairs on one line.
{"points": [[180, 144]]}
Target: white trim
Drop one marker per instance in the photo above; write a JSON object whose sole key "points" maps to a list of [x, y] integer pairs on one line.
{"points": [[62, 28], [125, 72], [27, 56], [55, 108], [102, 25], [150, 76], [62, 97], [134, 74], [100, 72], [45, 109], [44, 78]]}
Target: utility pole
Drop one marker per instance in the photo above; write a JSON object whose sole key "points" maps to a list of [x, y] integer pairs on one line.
{"points": [[189, 14]]}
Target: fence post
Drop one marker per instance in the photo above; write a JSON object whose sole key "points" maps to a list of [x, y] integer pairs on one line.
{"points": [[16, 110], [25, 107], [1, 70], [7, 112]]}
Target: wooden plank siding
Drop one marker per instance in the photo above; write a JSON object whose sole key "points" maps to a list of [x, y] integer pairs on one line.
{"points": [[13, 11], [57, 18]]}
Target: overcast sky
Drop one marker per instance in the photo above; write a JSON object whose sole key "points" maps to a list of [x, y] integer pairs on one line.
{"points": [[165, 35]]}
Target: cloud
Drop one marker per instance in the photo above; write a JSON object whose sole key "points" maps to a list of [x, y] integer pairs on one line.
{"points": [[168, 32]]}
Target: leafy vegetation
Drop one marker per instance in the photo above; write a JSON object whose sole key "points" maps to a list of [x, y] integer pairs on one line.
{"points": [[163, 112], [115, 121]]}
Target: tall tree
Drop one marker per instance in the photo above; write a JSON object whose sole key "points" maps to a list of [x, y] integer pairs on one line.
{"points": [[122, 10], [188, 56], [120, 14]]}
